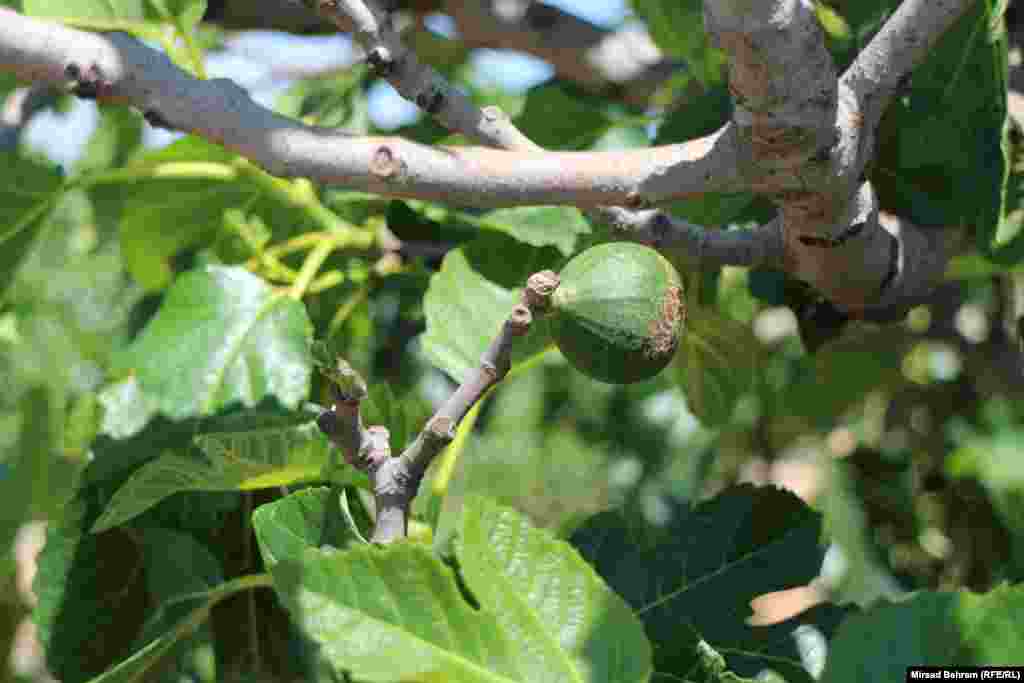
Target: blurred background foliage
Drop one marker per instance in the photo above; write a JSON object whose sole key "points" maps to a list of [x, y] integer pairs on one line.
{"points": [[907, 438]]}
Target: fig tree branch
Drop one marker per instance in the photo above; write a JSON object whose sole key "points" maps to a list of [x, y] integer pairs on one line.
{"points": [[116, 68], [797, 137], [796, 120], [492, 127], [396, 481]]}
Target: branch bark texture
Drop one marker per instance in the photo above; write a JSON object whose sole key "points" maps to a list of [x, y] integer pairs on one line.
{"points": [[799, 135]]}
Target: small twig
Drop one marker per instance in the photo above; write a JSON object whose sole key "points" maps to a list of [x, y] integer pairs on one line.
{"points": [[760, 247], [396, 481], [415, 81]]}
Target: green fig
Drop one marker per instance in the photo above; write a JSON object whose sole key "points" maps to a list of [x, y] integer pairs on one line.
{"points": [[617, 314]]}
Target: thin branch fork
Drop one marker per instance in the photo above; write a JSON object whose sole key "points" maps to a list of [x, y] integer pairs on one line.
{"points": [[490, 126], [396, 481]]}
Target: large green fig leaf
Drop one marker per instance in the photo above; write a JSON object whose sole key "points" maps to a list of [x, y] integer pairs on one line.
{"points": [[550, 602], [472, 296], [395, 614], [690, 582], [222, 336], [543, 615], [233, 461], [933, 629], [28, 191]]}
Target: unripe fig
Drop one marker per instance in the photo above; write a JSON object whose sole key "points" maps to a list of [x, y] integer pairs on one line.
{"points": [[618, 311]]}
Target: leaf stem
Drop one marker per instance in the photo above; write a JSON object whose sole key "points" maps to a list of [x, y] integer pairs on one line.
{"points": [[311, 265]]}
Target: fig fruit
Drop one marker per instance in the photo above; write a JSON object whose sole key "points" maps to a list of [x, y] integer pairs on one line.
{"points": [[617, 313]]}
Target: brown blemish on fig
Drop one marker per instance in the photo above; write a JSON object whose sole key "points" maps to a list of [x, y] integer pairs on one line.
{"points": [[662, 333]]}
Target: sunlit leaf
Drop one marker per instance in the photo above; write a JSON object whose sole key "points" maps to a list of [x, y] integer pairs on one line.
{"points": [[346, 601], [126, 409], [222, 336], [549, 600]]}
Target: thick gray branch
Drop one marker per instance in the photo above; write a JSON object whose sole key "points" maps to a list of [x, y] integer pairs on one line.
{"points": [[781, 77], [219, 110], [808, 139]]}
